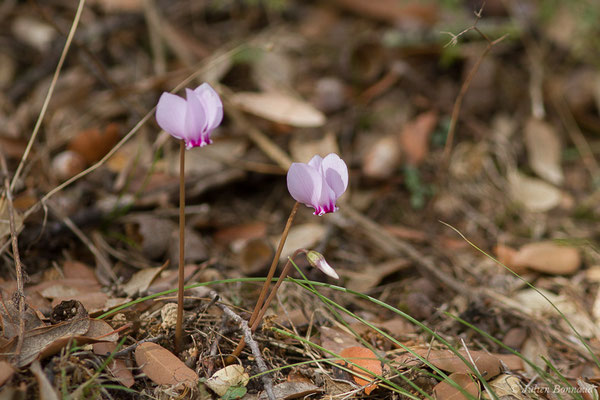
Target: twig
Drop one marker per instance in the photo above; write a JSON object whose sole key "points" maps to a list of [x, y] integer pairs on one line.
{"points": [[262, 367], [20, 293], [465, 86], [492, 395], [214, 346], [578, 139]]}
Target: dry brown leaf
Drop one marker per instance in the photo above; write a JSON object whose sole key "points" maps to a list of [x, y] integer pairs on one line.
{"points": [[94, 302], [365, 358], [292, 390], [488, 364], [9, 319], [118, 6], [535, 194], [301, 236], [223, 379], [370, 276], [101, 330], [211, 159], [547, 257], [281, 108], [78, 270], [162, 366], [116, 367], [65, 287], [515, 337], [6, 372], [141, 280], [335, 339], [383, 157], [152, 234], [84, 290], [511, 361], [505, 255], [535, 350], [92, 144], [46, 388], [394, 11], [12, 147], [244, 232], [44, 341], [506, 385], [544, 150], [195, 248], [168, 279], [256, 255], [445, 391], [446, 360], [414, 139], [303, 150]]}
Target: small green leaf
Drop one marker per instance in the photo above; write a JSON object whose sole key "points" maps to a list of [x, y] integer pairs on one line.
{"points": [[235, 392]]}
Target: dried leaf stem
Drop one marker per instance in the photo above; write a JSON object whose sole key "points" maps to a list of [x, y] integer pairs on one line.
{"points": [[38, 123], [465, 86], [20, 293], [181, 277]]}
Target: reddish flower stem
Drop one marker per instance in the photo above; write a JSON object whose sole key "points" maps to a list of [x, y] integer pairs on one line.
{"points": [[284, 274], [265, 288], [179, 324]]}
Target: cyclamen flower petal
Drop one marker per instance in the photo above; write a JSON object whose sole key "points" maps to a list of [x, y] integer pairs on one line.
{"points": [[317, 260], [319, 183], [192, 119]]}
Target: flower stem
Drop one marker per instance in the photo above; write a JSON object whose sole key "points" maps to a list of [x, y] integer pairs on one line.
{"points": [[179, 324], [284, 274], [270, 275]]}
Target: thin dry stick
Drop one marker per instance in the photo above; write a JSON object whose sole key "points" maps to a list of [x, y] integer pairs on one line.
{"points": [[179, 324], [577, 137], [20, 293], [465, 86], [459, 99], [38, 123], [262, 367], [270, 275]]}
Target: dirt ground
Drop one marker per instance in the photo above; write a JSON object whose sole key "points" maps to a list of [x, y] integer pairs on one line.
{"points": [[467, 243]]}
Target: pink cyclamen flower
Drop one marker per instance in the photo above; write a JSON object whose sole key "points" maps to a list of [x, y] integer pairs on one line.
{"points": [[192, 119], [319, 183]]}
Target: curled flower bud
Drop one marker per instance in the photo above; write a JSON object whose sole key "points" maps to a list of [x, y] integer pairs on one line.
{"points": [[319, 183], [192, 119], [317, 260]]}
